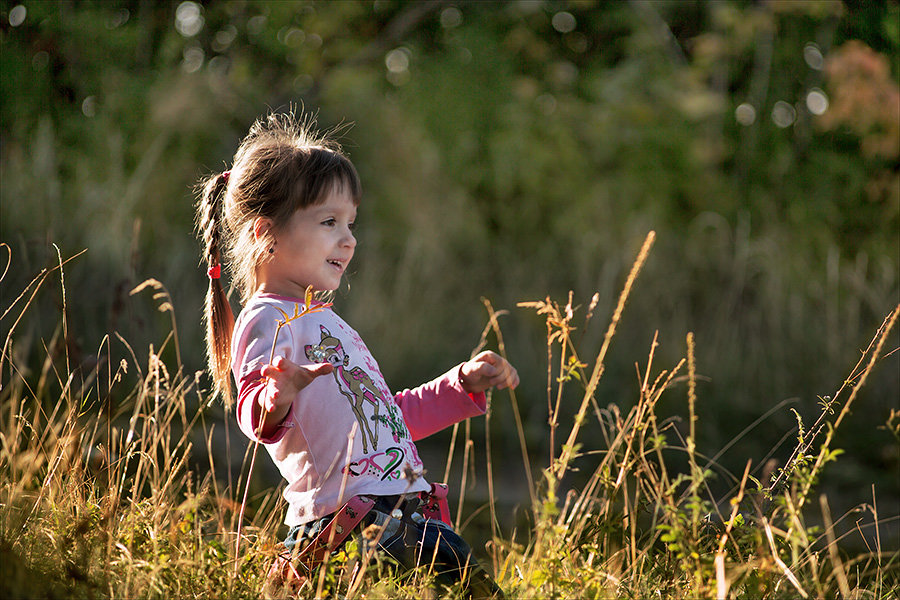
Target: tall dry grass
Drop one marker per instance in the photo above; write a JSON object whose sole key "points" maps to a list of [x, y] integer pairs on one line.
{"points": [[101, 495]]}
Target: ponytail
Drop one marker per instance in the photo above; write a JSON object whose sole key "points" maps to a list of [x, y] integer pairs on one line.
{"points": [[217, 314]]}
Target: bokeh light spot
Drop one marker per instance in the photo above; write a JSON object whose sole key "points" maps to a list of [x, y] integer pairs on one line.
{"points": [[192, 59], [397, 60], [17, 15], [223, 38], [451, 17], [564, 73], [219, 65], [118, 18], [188, 20], [314, 41], [577, 42], [817, 101], [397, 63], [40, 60], [546, 103], [255, 25], [89, 106], [563, 22], [813, 56], [745, 114], [294, 38], [783, 114]]}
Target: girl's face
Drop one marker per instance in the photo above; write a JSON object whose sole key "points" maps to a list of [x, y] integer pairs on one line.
{"points": [[313, 248]]}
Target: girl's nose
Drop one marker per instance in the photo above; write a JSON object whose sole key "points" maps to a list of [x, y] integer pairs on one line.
{"points": [[349, 239]]}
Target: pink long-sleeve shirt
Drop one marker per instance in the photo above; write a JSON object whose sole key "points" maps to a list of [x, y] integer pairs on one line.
{"points": [[345, 434]]}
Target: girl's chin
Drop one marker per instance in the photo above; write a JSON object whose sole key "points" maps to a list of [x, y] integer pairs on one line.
{"points": [[329, 287]]}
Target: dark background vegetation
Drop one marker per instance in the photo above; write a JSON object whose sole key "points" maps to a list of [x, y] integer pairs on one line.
{"points": [[511, 151]]}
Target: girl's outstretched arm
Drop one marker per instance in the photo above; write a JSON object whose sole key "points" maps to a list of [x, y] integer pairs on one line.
{"points": [[488, 369], [283, 381], [454, 396]]}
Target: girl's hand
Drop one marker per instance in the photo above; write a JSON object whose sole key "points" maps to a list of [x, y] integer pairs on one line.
{"points": [[487, 370], [285, 380]]}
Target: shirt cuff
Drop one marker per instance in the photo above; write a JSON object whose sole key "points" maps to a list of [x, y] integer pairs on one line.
{"points": [[479, 398], [253, 387]]}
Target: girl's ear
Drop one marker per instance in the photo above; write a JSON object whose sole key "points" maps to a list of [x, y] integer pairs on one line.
{"points": [[262, 228]]}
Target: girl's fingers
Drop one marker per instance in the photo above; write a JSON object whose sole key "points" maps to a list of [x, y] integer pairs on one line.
{"points": [[279, 365], [318, 369], [286, 379], [506, 380], [498, 370], [488, 369], [305, 375], [489, 357], [508, 377], [282, 365]]}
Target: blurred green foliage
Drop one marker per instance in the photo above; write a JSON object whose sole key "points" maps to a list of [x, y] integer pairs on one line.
{"points": [[509, 150]]}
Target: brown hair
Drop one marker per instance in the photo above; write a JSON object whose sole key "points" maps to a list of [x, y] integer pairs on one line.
{"points": [[282, 165]]}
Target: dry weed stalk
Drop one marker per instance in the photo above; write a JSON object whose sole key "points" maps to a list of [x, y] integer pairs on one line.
{"points": [[569, 447]]}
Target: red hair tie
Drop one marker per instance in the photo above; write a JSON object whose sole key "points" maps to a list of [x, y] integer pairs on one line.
{"points": [[214, 272], [225, 175]]}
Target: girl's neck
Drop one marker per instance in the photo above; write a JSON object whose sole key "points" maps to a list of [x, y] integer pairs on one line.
{"points": [[317, 299]]}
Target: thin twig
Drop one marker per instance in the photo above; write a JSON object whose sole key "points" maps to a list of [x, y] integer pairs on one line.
{"points": [[520, 430]]}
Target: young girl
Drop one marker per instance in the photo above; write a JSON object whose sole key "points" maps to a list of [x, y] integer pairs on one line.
{"points": [[282, 220]]}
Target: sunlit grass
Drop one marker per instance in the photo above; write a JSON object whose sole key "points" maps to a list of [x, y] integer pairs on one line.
{"points": [[99, 497]]}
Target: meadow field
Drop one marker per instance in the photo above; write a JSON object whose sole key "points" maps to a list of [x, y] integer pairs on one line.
{"points": [[680, 221], [105, 499]]}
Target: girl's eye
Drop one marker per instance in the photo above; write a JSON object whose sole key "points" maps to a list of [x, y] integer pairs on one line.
{"points": [[329, 222], [352, 226]]}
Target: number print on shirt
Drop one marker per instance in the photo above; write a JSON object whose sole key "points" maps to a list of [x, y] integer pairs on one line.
{"points": [[386, 464]]}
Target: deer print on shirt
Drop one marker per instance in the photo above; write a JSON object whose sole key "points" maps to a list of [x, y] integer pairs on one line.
{"points": [[354, 383]]}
